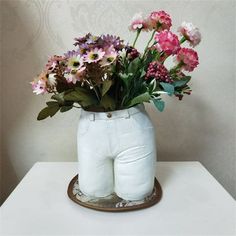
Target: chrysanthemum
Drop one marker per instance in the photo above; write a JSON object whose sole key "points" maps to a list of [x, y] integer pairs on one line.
{"points": [[191, 33], [94, 55]]}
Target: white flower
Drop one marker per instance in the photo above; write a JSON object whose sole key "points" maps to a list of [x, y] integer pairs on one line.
{"points": [[109, 58], [39, 86], [139, 22], [191, 33], [74, 75], [94, 55], [75, 62], [52, 80]]}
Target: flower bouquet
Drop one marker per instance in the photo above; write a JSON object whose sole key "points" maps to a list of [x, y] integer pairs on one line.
{"points": [[105, 74], [109, 79]]}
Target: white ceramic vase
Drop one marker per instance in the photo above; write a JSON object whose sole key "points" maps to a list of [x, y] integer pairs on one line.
{"points": [[116, 153]]}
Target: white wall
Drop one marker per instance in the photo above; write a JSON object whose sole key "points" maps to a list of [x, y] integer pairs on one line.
{"points": [[201, 127]]}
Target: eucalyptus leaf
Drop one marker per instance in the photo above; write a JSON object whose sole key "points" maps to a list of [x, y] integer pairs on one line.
{"points": [[145, 97], [169, 88], [182, 82], [159, 104]]}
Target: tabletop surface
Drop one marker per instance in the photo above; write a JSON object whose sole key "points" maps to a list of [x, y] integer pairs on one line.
{"points": [[193, 203]]}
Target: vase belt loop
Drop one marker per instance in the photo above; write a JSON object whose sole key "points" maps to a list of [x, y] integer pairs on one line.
{"points": [[92, 117], [127, 115]]}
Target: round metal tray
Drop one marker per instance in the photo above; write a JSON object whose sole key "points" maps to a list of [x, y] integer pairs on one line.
{"points": [[112, 203]]}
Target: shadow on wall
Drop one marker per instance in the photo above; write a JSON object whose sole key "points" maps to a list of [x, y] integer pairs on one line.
{"points": [[17, 44], [178, 137]]}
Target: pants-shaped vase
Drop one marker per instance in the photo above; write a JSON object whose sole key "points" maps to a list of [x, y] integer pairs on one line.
{"points": [[116, 153]]}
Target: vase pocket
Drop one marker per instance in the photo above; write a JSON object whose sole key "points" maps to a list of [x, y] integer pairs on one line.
{"points": [[141, 121], [83, 126]]}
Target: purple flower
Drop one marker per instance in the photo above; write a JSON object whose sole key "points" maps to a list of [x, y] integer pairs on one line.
{"points": [[109, 40], [82, 40], [72, 53]]}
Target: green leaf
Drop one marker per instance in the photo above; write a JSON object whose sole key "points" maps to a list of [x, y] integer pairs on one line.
{"points": [[52, 103], [145, 97], [143, 73], [108, 102], [169, 88], [126, 78], [106, 86], [65, 108], [59, 97], [149, 58], [182, 82], [48, 111], [160, 105], [133, 66], [82, 96]]}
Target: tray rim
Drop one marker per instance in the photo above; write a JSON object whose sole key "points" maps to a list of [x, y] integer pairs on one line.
{"points": [[118, 209]]}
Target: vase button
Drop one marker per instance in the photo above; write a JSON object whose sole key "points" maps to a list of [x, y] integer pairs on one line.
{"points": [[109, 115]]}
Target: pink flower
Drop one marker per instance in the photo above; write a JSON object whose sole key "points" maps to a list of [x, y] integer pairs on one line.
{"points": [[167, 42], [53, 62], [188, 57], [39, 85], [94, 55], [109, 57], [75, 75], [191, 33], [138, 22], [159, 72], [160, 20]]}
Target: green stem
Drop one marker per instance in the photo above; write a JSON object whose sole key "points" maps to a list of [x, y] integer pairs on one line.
{"points": [[182, 40], [153, 33], [175, 68], [94, 90], [137, 35], [145, 50]]}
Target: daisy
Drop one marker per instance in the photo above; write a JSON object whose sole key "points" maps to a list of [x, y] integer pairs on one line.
{"points": [[109, 57], [75, 62], [39, 86], [94, 55], [52, 80], [74, 75]]}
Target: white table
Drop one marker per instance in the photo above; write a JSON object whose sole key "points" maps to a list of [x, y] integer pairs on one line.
{"points": [[193, 203]]}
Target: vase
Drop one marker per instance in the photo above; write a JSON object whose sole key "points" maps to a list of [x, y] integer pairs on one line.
{"points": [[116, 153]]}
